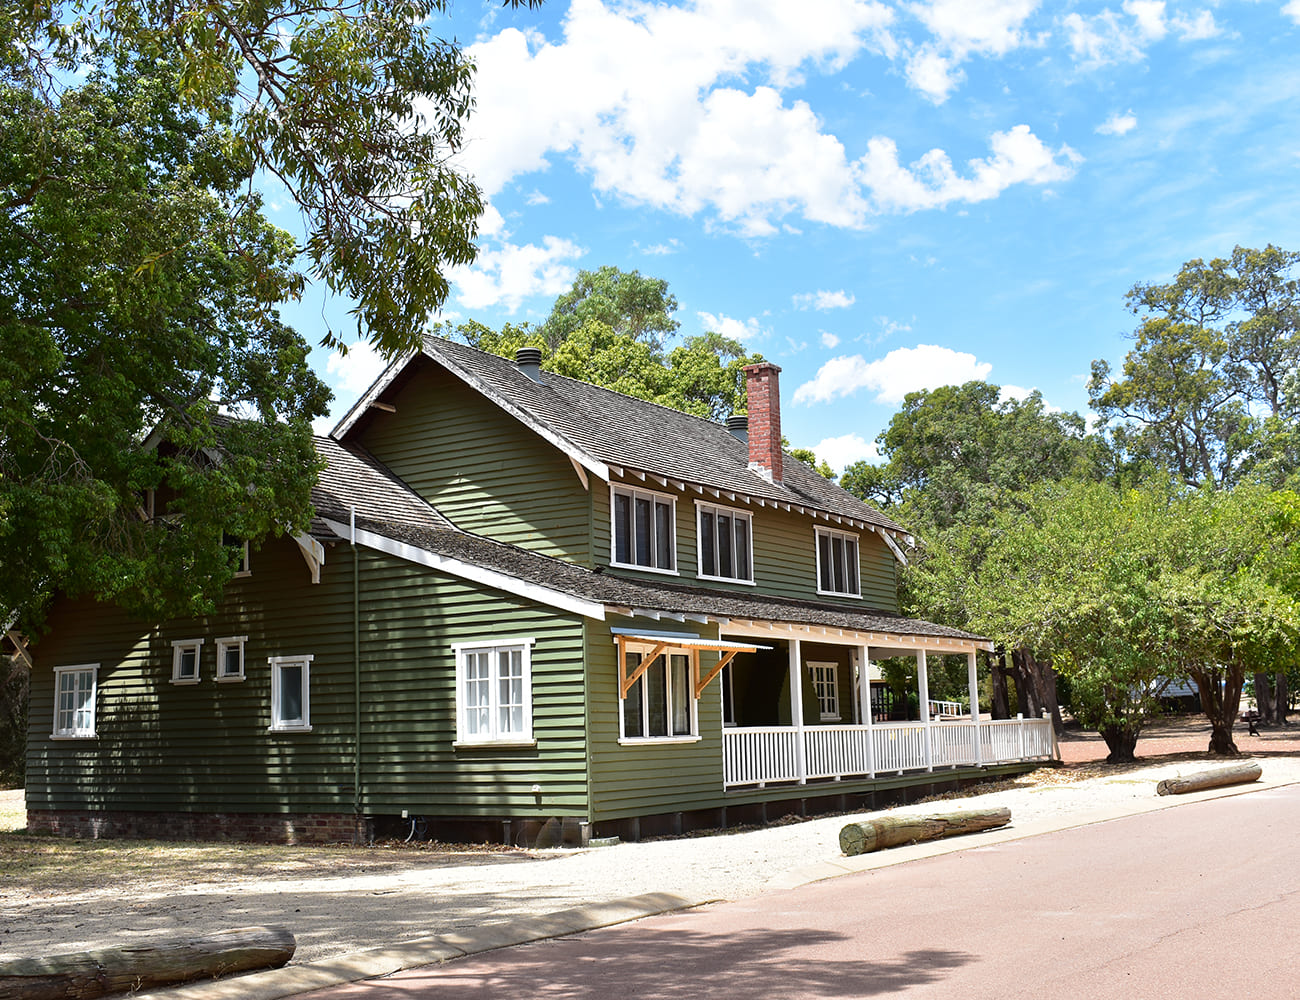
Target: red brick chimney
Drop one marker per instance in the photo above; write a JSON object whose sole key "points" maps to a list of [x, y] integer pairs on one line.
{"points": [[763, 401]]}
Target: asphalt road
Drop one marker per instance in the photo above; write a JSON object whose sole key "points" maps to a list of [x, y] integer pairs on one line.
{"points": [[1198, 901]]}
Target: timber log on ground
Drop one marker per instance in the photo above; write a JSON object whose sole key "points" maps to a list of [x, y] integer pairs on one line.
{"points": [[890, 831], [133, 967], [1237, 774]]}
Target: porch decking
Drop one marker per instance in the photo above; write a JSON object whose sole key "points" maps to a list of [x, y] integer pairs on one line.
{"points": [[776, 754]]}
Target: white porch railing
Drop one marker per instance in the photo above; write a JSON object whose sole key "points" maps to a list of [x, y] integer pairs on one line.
{"points": [[755, 756]]}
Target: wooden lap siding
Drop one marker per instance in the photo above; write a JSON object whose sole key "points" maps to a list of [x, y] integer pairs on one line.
{"points": [[640, 779], [482, 468], [784, 545], [205, 747]]}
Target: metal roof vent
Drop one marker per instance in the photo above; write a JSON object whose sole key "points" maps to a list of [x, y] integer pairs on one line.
{"points": [[738, 427], [529, 360]]}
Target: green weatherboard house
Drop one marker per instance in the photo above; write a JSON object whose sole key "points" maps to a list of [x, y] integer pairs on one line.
{"points": [[527, 606]]}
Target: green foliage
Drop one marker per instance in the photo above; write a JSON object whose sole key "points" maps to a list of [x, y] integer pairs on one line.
{"points": [[810, 459], [1209, 390], [953, 454], [138, 280], [354, 105], [611, 328]]}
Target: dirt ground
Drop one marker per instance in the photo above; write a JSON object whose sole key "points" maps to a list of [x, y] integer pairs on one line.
{"points": [[63, 895]]}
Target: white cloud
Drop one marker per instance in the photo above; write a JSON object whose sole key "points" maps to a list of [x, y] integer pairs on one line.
{"points": [[1019, 157], [892, 377], [960, 29], [1020, 393], [353, 373], [823, 300], [841, 452], [744, 330], [1149, 16], [660, 249], [1119, 124], [1292, 10], [1107, 38], [537, 198], [1196, 29], [507, 274], [830, 340], [655, 103]]}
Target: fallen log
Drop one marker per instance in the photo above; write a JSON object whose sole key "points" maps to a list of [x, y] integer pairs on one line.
{"points": [[133, 967], [890, 831], [1237, 774]]}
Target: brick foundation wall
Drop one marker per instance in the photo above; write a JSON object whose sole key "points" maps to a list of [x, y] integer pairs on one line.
{"points": [[274, 828]]}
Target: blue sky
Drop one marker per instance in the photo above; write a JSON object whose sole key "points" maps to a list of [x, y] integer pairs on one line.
{"points": [[878, 197]]}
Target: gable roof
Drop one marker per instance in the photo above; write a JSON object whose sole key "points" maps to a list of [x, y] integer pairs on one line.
{"points": [[353, 480], [609, 433]]}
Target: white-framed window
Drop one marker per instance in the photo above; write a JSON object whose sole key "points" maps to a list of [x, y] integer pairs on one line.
{"points": [[291, 693], [494, 692], [837, 563], [239, 548], [826, 685], [643, 529], [74, 701], [230, 658], [660, 705], [726, 543], [186, 655]]}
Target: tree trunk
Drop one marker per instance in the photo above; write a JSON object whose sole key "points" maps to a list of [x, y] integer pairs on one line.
{"points": [[1001, 707], [1281, 697], [890, 831], [1038, 679], [1121, 740], [1263, 701], [1237, 774], [1220, 691], [134, 967]]}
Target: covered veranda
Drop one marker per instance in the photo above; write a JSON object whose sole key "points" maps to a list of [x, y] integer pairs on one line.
{"points": [[774, 735]]}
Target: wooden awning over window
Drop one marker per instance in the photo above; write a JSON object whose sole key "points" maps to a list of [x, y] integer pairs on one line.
{"points": [[655, 644]]}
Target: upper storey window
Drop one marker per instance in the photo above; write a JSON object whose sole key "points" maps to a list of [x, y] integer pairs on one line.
{"points": [[644, 530], [725, 543], [837, 563]]}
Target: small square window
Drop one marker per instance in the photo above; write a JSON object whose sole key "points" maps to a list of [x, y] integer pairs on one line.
{"points": [[239, 551], [291, 694], [230, 658], [494, 701], [185, 661], [837, 563]]}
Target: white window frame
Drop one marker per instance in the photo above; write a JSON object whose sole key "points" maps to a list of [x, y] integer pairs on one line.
{"points": [[223, 645], [826, 685], [494, 736], [245, 567], [278, 663], [692, 702], [636, 493], [840, 537], [702, 508], [71, 731], [179, 648]]}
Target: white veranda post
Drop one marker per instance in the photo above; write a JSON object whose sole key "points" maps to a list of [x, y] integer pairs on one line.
{"points": [[796, 708], [864, 701], [923, 687], [973, 684]]}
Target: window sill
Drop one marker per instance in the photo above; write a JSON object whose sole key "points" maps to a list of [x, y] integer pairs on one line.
{"points": [[493, 744], [186, 680], [727, 579], [644, 569], [641, 741], [74, 736], [836, 593], [232, 679], [288, 729]]}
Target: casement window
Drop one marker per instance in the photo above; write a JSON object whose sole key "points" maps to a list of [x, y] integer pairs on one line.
{"points": [[74, 701], [726, 548], [291, 694], [643, 526], [826, 685], [494, 692], [239, 551], [230, 658], [185, 660], [660, 704], [837, 563]]}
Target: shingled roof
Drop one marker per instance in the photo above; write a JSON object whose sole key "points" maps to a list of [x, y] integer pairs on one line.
{"points": [[354, 480], [609, 431]]}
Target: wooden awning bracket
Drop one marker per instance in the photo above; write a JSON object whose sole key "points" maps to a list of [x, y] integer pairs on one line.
{"points": [[627, 680], [702, 682]]}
